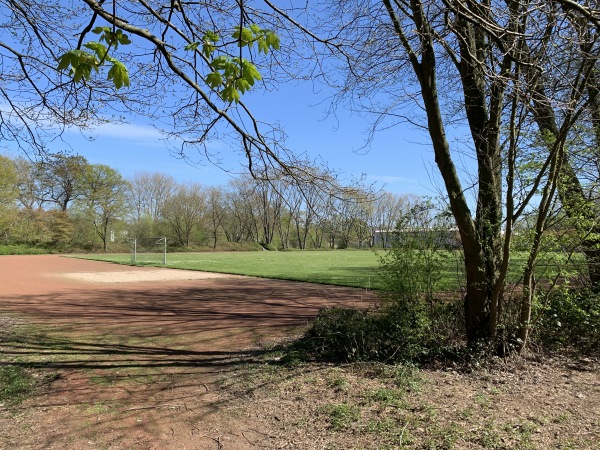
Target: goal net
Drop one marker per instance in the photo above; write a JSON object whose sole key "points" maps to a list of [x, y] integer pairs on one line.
{"points": [[150, 250]]}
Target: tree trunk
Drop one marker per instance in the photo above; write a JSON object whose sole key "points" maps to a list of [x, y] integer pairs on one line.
{"points": [[481, 238]]}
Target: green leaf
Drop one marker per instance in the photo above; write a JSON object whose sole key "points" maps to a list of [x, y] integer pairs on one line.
{"points": [[214, 79], [244, 36], [100, 30], [122, 38], [193, 46], [243, 85], [98, 48], [211, 36], [82, 71], [263, 47], [220, 63], [272, 40], [65, 60], [119, 75], [230, 94], [250, 72]]}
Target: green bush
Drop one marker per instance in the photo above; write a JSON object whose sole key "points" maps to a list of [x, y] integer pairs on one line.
{"points": [[411, 322], [340, 334], [396, 332], [22, 249], [568, 318], [238, 247]]}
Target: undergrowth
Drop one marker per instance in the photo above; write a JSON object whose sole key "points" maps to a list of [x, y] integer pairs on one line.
{"points": [[15, 384]]}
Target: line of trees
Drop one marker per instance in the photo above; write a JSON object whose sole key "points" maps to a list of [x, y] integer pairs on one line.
{"points": [[64, 202]]}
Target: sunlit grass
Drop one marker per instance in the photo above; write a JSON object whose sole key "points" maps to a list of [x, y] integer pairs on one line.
{"points": [[352, 268]]}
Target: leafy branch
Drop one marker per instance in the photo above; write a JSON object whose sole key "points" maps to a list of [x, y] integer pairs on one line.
{"points": [[233, 76], [82, 62]]}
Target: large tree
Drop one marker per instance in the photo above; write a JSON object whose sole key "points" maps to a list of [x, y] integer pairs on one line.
{"points": [[183, 212], [104, 199], [59, 179], [468, 68], [8, 195]]}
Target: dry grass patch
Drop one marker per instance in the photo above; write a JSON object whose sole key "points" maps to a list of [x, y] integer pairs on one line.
{"points": [[552, 404]]}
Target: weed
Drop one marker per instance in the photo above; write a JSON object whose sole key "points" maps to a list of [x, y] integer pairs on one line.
{"points": [[442, 437], [522, 432], [337, 382], [341, 415], [482, 400], [101, 408], [467, 413], [562, 418], [381, 426], [387, 397], [488, 436], [408, 377], [15, 384]]}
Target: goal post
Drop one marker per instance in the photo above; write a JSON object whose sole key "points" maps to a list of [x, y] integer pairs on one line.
{"points": [[149, 250]]}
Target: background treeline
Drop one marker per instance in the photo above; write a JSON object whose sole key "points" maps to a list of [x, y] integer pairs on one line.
{"points": [[64, 203]]}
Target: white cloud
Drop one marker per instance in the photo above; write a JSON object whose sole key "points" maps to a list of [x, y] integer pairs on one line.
{"points": [[126, 131]]}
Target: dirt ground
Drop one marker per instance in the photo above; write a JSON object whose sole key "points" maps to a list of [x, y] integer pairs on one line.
{"points": [[136, 359], [143, 358]]}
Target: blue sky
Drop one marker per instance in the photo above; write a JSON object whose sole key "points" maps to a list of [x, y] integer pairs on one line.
{"points": [[399, 159]]}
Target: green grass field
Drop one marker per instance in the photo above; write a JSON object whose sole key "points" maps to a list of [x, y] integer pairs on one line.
{"points": [[353, 268], [340, 267]]}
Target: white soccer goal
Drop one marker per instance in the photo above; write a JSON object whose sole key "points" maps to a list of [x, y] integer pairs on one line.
{"points": [[152, 250]]}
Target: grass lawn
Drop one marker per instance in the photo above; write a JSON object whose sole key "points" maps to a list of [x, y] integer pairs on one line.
{"points": [[352, 268], [339, 267]]}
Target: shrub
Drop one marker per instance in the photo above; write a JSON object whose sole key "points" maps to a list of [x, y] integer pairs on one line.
{"points": [[568, 318], [396, 332], [21, 249], [411, 323]]}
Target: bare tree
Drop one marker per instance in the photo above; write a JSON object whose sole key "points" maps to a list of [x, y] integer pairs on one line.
{"points": [[183, 212], [216, 212], [104, 198], [385, 212], [147, 195]]}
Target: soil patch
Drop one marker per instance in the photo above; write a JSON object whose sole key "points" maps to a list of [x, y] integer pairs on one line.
{"points": [[135, 363]]}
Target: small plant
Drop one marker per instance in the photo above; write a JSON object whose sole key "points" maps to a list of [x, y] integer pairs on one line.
{"points": [[522, 432], [482, 400], [408, 377], [387, 397], [442, 437], [338, 382], [380, 426], [341, 415], [15, 384], [488, 436], [568, 317]]}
